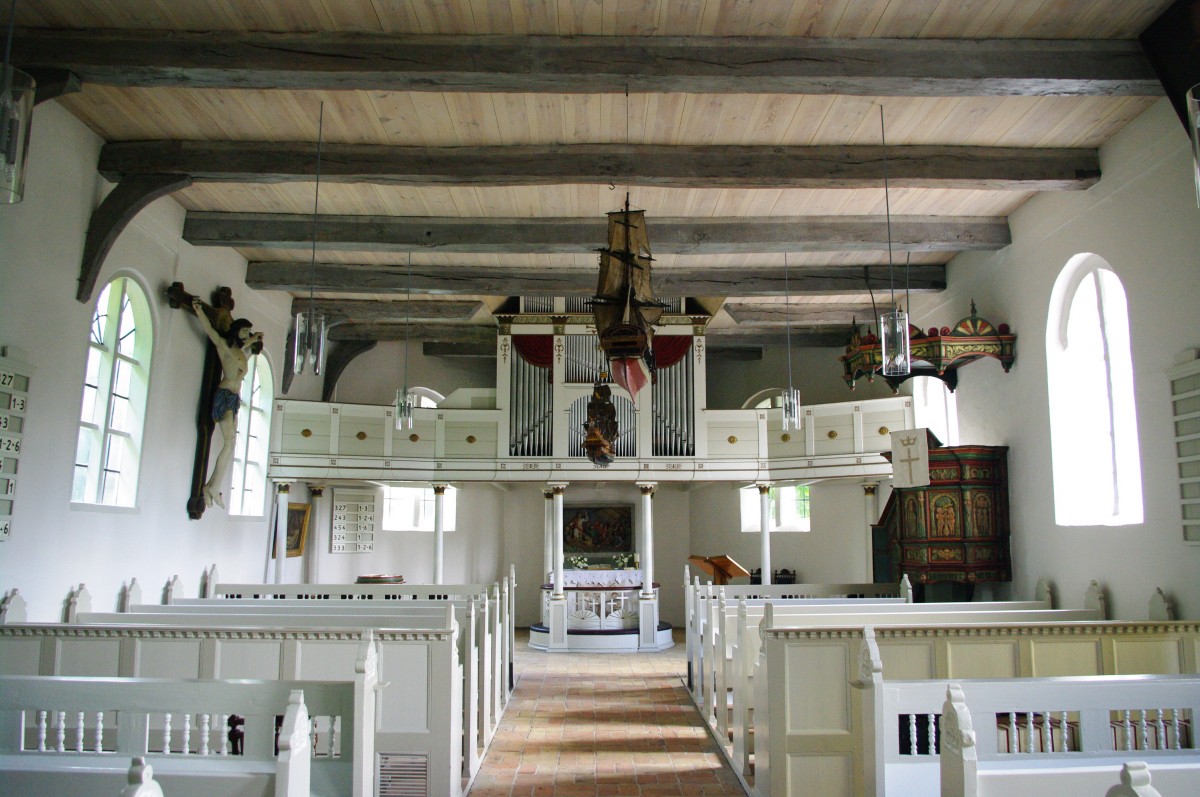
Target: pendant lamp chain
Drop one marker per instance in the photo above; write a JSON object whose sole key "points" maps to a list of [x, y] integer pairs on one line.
{"points": [[404, 399], [893, 325], [309, 331], [791, 396], [16, 115]]}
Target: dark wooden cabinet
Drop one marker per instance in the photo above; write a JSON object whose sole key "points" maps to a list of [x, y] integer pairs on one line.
{"points": [[953, 530]]}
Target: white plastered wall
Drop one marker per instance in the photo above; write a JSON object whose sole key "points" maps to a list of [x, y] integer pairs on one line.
{"points": [[54, 545], [1142, 219]]}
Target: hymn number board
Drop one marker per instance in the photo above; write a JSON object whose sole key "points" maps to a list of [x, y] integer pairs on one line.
{"points": [[353, 522], [14, 403]]}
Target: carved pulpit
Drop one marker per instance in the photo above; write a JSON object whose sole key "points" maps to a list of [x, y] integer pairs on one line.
{"points": [[953, 530]]}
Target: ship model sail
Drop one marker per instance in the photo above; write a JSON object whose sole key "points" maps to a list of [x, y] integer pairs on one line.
{"points": [[625, 308], [626, 312]]}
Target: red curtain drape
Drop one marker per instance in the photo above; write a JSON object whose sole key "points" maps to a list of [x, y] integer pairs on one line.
{"points": [[670, 349], [535, 349]]}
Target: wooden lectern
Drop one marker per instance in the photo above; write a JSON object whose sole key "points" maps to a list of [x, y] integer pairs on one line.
{"points": [[721, 568]]}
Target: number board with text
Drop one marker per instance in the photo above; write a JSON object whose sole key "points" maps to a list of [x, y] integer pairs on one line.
{"points": [[353, 522], [14, 403]]}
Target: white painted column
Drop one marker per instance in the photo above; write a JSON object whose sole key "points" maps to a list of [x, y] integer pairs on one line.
{"points": [[557, 520], [871, 508], [648, 599], [439, 533], [281, 531], [547, 537], [764, 527], [316, 545], [646, 516], [558, 599]]}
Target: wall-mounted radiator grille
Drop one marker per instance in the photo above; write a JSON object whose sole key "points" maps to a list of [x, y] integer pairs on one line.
{"points": [[403, 775]]}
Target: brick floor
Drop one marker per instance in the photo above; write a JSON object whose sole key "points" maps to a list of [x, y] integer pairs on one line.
{"points": [[594, 725]]}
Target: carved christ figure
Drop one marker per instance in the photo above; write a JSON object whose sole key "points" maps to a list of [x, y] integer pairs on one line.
{"points": [[233, 348]]}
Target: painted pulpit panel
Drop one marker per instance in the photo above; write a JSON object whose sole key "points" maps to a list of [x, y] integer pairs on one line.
{"points": [[955, 529]]}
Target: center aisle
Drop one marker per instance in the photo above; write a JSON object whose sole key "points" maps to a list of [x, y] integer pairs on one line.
{"points": [[592, 725]]}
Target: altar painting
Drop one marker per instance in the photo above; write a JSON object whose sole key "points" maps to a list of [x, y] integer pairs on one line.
{"points": [[598, 529]]}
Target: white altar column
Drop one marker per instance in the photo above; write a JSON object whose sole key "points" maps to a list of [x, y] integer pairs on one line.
{"points": [[648, 600], [547, 538], [764, 526], [312, 553], [439, 533], [281, 519], [558, 599], [871, 507]]}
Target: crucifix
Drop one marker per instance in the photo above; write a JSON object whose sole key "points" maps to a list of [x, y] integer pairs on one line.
{"points": [[231, 341]]}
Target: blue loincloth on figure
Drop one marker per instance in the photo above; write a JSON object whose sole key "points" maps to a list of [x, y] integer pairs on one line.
{"points": [[224, 400]]}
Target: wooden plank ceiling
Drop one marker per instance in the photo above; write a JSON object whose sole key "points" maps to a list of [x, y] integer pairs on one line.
{"points": [[486, 139]]}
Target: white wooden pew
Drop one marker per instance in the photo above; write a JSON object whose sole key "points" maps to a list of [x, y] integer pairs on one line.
{"points": [[419, 734], [478, 642], [729, 705], [699, 598], [504, 590], [1007, 737], [809, 740], [721, 641], [72, 735]]}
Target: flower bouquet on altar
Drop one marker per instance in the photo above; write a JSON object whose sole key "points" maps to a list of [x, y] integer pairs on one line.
{"points": [[621, 561], [578, 562]]}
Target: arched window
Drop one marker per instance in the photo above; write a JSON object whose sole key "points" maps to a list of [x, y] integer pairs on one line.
{"points": [[248, 488], [935, 408], [109, 447], [426, 397], [410, 508], [1093, 420], [789, 508]]}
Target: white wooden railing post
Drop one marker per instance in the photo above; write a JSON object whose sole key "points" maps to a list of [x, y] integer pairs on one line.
{"points": [[1135, 782], [959, 757], [141, 780], [366, 688], [12, 608], [868, 690], [292, 769]]}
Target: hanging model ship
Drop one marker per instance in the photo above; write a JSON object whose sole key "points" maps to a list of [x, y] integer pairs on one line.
{"points": [[626, 312]]}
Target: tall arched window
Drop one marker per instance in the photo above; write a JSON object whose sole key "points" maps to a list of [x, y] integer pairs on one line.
{"points": [[935, 408], [248, 488], [115, 385], [1093, 420]]}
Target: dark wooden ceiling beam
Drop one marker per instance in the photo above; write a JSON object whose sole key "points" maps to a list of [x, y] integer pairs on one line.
{"points": [[751, 281], [748, 314], [823, 338], [433, 349], [697, 65], [982, 168], [365, 310], [697, 236], [433, 333]]}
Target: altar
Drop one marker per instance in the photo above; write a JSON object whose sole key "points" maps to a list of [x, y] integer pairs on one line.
{"points": [[602, 611]]}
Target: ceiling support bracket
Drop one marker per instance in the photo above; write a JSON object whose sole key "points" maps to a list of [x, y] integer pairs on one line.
{"points": [[112, 215]]}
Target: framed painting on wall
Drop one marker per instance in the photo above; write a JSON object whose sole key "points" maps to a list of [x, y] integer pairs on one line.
{"points": [[598, 529], [297, 528]]}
